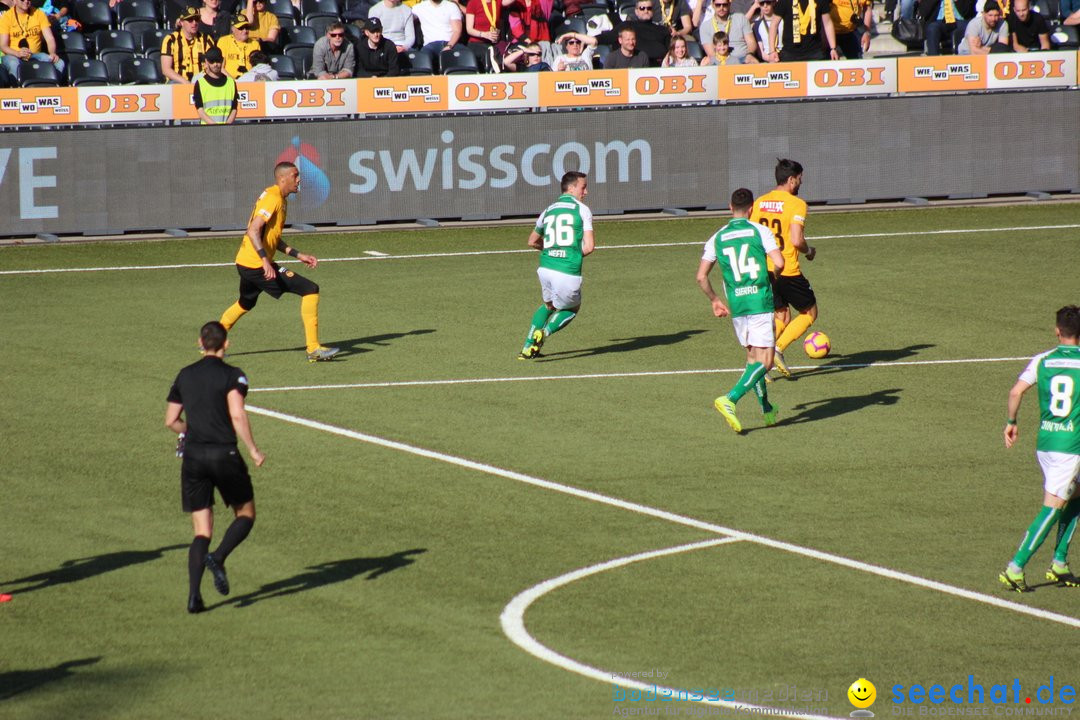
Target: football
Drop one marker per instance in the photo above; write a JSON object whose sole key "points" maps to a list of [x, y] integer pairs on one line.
{"points": [[816, 345]]}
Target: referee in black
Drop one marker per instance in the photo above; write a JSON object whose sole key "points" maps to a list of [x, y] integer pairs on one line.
{"points": [[211, 395]]}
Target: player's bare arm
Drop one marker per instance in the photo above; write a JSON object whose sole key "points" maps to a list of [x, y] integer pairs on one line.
{"points": [[173, 419], [310, 260], [718, 307], [1012, 430], [242, 427], [536, 242], [588, 242], [798, 239], [254, 233], [777, 258]]}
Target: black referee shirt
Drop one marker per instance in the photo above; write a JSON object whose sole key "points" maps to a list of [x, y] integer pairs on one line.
{"points": [[202, 388]]}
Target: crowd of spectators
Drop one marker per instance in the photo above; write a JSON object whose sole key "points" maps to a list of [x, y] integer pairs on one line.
{"points": [[328, 39]]}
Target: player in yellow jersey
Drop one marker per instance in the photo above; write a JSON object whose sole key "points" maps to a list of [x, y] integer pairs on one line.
{"points": [[783, 212], [260, 274]]}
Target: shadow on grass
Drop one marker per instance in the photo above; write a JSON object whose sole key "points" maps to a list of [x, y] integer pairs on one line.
{"points": [[83, 568], [860, 360], [622, 345], [15, 682], [347, 347], [327, 573], [831, 407]]}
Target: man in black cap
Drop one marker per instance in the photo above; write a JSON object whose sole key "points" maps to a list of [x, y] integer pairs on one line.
{"points": [[375, 55], [237, 47], [215, 92], [987, 32]]}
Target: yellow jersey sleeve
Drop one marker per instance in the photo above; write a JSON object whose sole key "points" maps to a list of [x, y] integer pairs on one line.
{"points": [[778, 211], [271, 207]]}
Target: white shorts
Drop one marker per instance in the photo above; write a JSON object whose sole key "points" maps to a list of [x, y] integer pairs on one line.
{"points": [[561, 290], [1060, 471], [755, 330]]}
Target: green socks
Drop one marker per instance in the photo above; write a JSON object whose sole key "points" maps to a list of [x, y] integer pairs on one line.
{"points": [[1036, 534], [539, 319], [559, 320], [762, 392], [1066, 527], [752, 375]]}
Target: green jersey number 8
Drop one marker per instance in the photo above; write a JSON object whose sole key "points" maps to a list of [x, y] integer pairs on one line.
{"points": [[742, 265], [1061, 392], [558, 230]]}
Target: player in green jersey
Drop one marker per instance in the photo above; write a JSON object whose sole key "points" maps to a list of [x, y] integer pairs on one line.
{"points": [[563, 235], [741, 248], [1056, 373]]}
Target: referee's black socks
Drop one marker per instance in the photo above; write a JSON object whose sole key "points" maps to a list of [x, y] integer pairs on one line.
{"points": [[235, 535], [196, 556]]}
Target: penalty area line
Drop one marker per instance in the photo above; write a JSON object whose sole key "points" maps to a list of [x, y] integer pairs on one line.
{"points": [[675, 518], [604, 376]]}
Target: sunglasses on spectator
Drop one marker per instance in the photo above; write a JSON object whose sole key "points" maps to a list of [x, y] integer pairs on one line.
{"points": [[645, 7], [533, 54], [336, 34], [573, 41], [721, 4]]}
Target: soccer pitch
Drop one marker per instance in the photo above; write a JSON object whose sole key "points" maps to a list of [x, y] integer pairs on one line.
{"points": [[447, 532]]}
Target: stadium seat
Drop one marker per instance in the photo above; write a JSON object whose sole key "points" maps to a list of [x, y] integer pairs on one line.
{"points": [[87, 72], [626, 8], [140, 71], [354, 32], [574, 24], [72, 57], [1064, 37], [150, 40], [107, 41], [72, 42], [460, 60], [137, 26], [319, 22], [599, 53], [302, 56], [93, 15], [420, 63], [483, 57], [137, 10], [38, 74], [694, 49], [327, 7], [114, 60], [286, 68], [592, 9], [1049, 9], [154, 56], [298, 35]]}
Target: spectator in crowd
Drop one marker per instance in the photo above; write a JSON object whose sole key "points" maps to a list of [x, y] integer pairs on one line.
{"points": [[482, 21], [237, 48], [1029, 29], [529, 19], [852, 20], [215, 92], [25, 34], [440, 24], [260, 71], [578, 52], [652, 38], [737, 28], [59, 12], [333, 57], [987, 32], [214, 21], [721, 54], [1072, 18], [397, 23], [181, 50], [678, 55], [941, 19], [627, 56], [533, 55], [675, 15], [808, 30], [767, 52], [375, 55], [265, 26]]}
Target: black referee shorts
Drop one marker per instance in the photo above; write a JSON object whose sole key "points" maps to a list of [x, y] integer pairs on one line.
{"points": [[252, 283], [207, 467], [793, 290]]}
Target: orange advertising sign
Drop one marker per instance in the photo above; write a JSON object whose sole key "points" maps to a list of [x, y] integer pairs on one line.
{"points": [[583, 87], [38, 106], [250, 103], [752, 82], [941, 73], [427, 93]]}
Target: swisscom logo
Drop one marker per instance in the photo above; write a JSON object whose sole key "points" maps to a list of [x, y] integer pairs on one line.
{"points": [[314, 183]]}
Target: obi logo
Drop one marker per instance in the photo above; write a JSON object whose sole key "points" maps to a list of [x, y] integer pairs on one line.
{"points": [[314, 184]]}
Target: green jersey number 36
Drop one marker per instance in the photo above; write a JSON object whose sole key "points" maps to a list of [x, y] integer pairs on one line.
{"points": [[558, 230]]}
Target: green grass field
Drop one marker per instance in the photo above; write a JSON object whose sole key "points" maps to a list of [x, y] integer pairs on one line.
{"points": [[373, 583]]}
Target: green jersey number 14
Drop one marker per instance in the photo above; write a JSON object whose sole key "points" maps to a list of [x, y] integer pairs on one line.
{"points": [[743, 265]]}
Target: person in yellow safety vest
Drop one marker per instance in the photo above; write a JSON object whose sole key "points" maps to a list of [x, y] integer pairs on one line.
{"points": [[215, 92]]}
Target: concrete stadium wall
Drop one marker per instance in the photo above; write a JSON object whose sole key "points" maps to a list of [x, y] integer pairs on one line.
{"points": [[488, 166]]}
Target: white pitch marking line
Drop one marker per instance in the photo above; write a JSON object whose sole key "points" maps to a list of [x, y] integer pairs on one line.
{"points": [[513, 625], [674, 518], [601, 376], [376, 253], [958, 231]]}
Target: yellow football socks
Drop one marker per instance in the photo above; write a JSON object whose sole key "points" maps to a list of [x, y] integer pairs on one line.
{"points": [[309, 312], [230, 316], [793, 331]]}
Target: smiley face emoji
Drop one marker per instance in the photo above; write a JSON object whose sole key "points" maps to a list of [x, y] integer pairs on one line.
{"points": [[862, 693]]}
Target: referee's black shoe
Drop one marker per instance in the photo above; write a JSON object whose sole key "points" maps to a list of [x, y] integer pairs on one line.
{"points": [[195, 604], [221, 580]]}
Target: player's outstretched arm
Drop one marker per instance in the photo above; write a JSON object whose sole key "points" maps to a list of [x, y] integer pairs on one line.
{"points": [[588, 242], [242, 427], [1012, 431]]}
